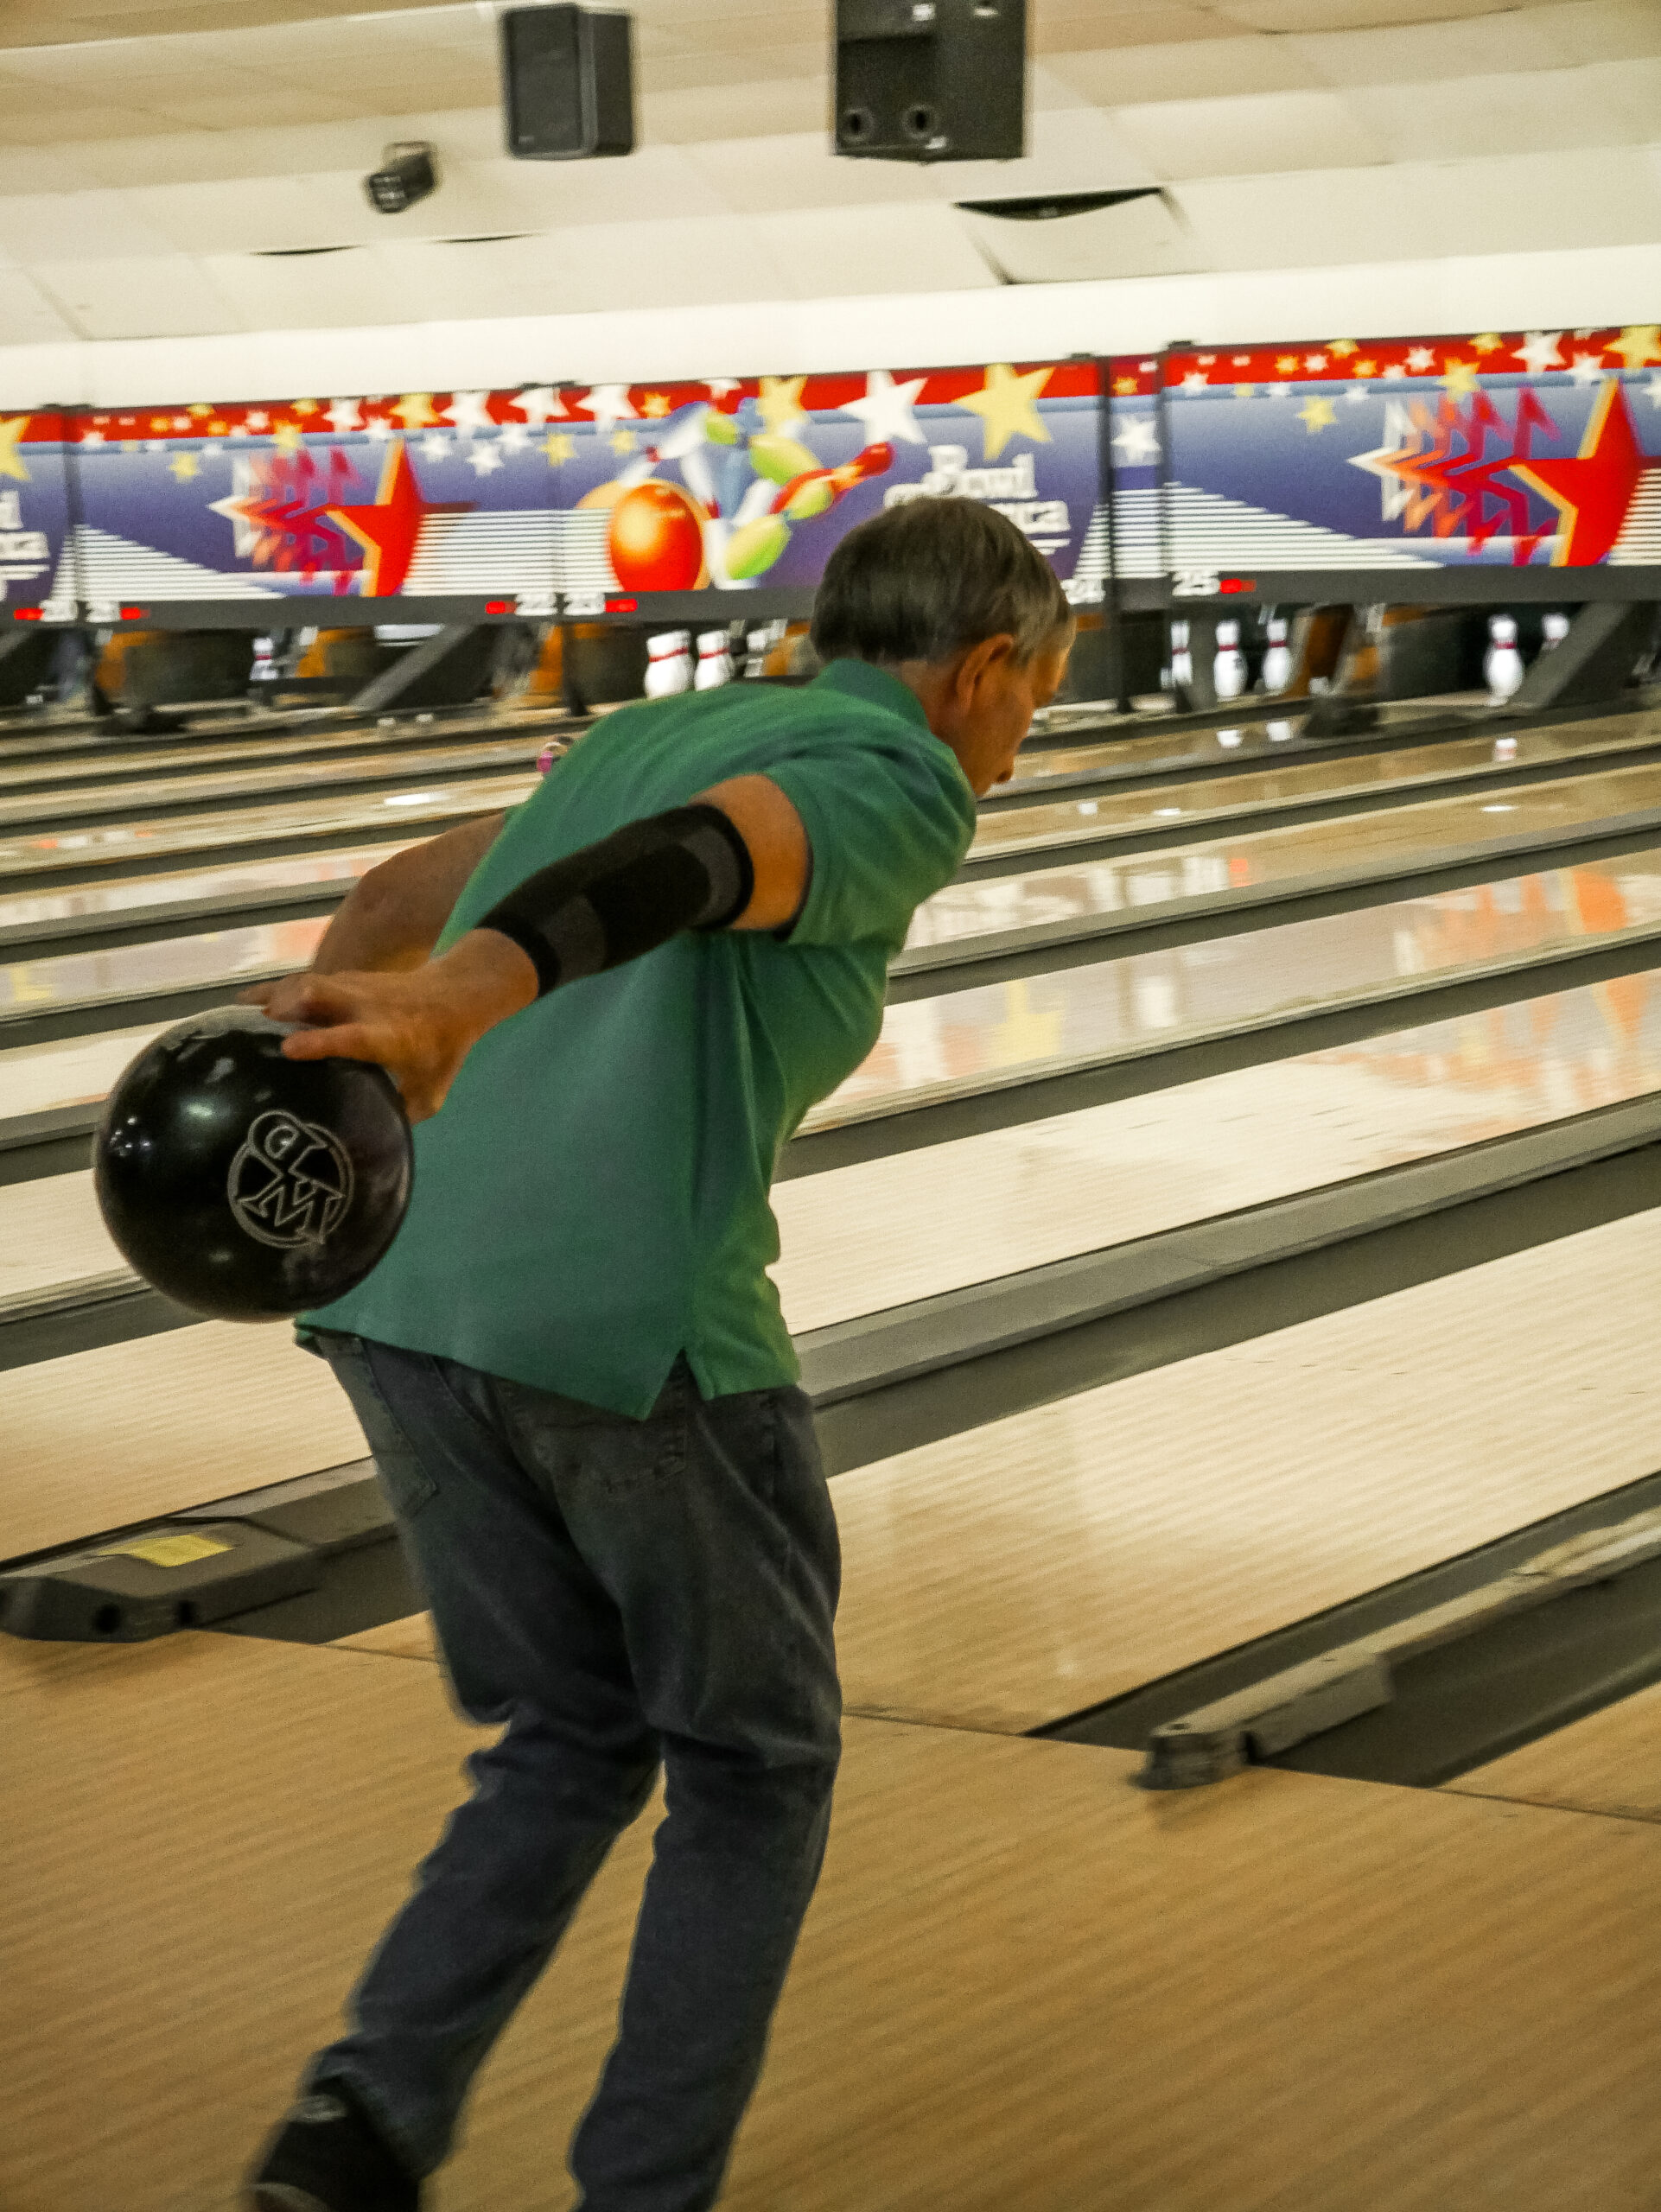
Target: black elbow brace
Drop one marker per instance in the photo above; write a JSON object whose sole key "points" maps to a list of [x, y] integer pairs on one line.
{"points": [[688, 870]]}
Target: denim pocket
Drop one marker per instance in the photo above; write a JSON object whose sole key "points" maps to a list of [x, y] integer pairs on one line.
{"points": [[406, 1482]]}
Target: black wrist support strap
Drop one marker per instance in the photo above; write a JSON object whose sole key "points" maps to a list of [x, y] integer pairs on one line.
{"points": [[688, 870]]}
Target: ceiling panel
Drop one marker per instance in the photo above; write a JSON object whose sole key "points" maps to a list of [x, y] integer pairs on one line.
{"points": [[1545, 111], [1258, 134], [157, 296], [1215, 68]]}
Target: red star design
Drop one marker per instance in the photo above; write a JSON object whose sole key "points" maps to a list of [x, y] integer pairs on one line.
{"points": [[389, 529], [1593, 491]]}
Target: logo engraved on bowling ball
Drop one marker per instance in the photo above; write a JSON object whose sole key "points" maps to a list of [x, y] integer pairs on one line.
{"points": [[291, 1181]]}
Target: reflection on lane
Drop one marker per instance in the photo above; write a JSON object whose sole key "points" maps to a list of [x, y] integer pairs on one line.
{"points": [[1417, 770], [1222, 979], [1239, 858], [260, 745], [860, 1239], [116, 845], [154, 795], [934, 1045]]}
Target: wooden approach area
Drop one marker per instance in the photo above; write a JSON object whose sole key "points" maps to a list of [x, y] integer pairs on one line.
{"points": [[1025, 1985]]}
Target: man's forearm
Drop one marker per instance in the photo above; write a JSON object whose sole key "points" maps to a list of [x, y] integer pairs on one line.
{"points": [[392, 916]]}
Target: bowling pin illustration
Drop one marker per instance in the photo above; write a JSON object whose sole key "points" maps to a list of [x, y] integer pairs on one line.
{"points": [[669, 664], [1228, 670], [1277, 661], [715, 667], [1502, 665], [1182, 657], [1554, 629]]}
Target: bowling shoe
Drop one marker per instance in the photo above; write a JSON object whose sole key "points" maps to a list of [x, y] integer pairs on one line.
{"points": [[330, 2156]]}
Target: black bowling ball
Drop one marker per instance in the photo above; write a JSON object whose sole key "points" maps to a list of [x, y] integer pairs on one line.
{"points": [[244, 1185]]}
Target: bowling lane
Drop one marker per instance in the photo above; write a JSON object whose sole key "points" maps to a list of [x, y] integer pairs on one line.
{"points": [[158, 795], [1414, 772], [863, 1238], [1023, 1571], [231, 881], [315, 825], [270, 744], [1239, 856], [962, 1041]]}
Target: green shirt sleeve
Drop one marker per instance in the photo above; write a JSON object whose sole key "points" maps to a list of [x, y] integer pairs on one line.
{"points": [[889, 820]]}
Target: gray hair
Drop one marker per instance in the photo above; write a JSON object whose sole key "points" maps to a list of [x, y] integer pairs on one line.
{"points": [[927, 578]]}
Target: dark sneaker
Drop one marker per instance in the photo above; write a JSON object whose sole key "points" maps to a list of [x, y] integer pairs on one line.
{"points": [[329, 2156]]}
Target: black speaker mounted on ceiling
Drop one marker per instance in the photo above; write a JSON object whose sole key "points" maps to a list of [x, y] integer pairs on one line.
{"points": [[567, 83], [931, 81]]}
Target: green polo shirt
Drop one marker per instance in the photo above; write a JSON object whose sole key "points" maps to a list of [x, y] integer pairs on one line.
{"points": [[592, 1201]]}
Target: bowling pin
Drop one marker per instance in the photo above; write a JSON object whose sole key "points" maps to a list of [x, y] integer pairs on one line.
{"points": [[1554, 629], [1228, 670], [1182, 657], [1502, 665], [669, 664], [715, 665], [1277, 661]]}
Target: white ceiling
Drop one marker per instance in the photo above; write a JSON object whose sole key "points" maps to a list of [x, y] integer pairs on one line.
{"points": [[180, 170]]}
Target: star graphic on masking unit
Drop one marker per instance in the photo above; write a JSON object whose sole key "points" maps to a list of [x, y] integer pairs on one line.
{"points": [[415, 410], [539, 403], [780, 403], [1136, 442], [483, 461], [1638, 345], [655, 404], [559, 445], [886, 409], [183, 465], [1419, 358], [470, 410], [1007, 405], [1317, 413], [389, 529], [12, 463], [1461, 377], [1593, 491], [1538, 352], [610, 403]]}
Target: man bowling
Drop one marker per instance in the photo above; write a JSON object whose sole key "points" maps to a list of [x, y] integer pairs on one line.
{"points": [[572, 1367]]}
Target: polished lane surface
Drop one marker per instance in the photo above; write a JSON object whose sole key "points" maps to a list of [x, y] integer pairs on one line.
{"points": [[912, 1226]]}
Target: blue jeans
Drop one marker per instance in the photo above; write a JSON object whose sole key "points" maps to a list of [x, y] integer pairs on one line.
{"points": [[619, 1594]]}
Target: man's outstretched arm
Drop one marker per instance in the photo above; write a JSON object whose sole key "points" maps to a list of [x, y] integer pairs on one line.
{"points": [[737, 857]]}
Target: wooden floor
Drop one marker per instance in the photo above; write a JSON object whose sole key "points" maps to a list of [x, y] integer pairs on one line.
{"points": [[1025, 1985], [1608, 1763]]}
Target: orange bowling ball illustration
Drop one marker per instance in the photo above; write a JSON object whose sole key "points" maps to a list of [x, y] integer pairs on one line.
{"points": [[656, 539]]}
